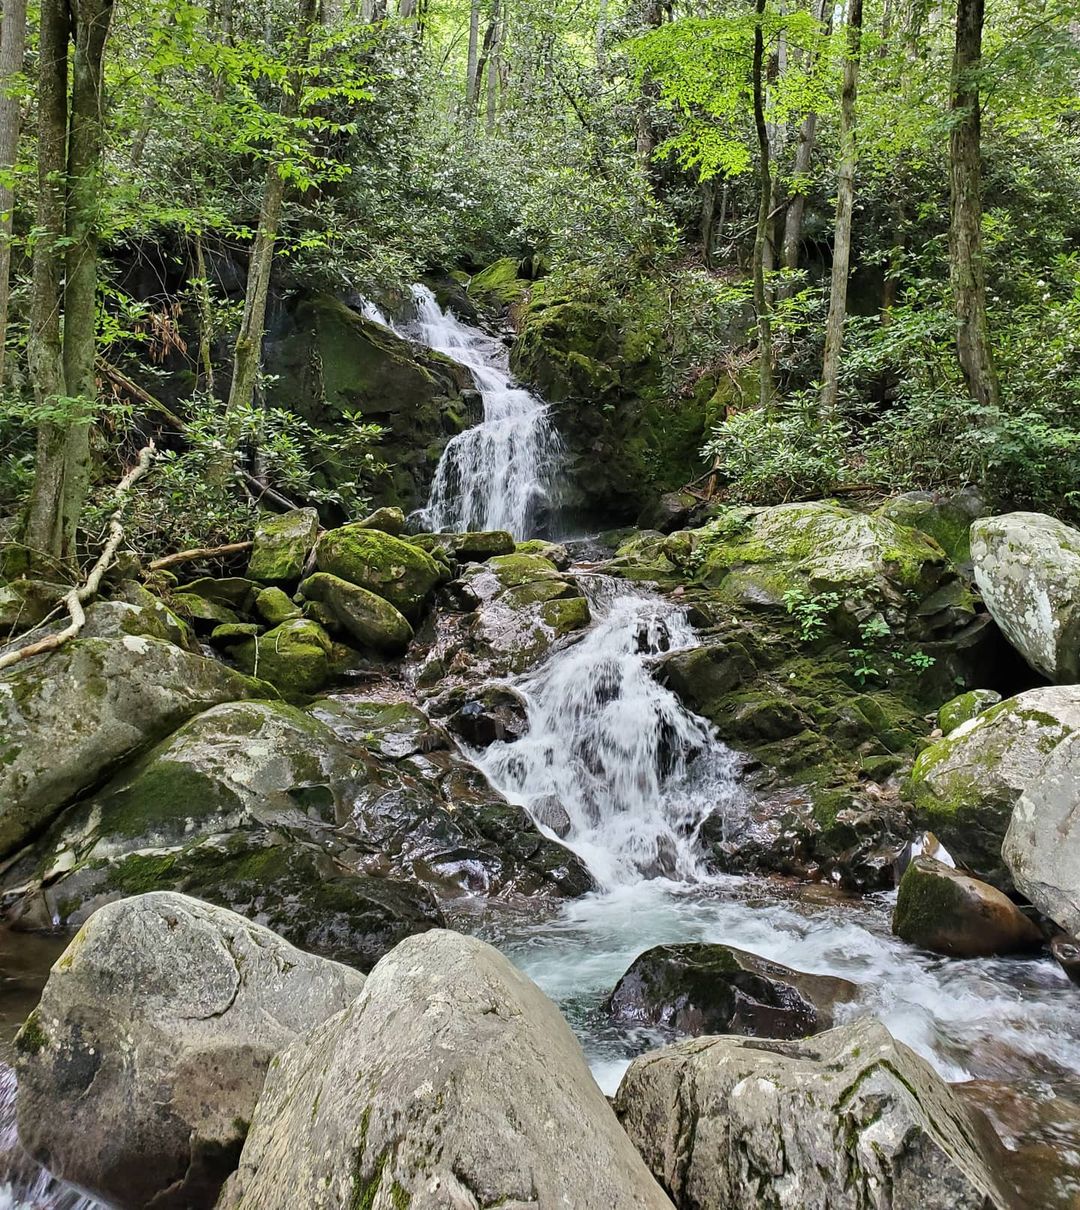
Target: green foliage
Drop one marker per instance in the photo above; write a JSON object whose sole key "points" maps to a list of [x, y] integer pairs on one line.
{"points": [[811, 611]]}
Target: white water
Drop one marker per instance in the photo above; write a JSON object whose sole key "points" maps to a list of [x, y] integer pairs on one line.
{"points": [[636, 772], [637, 775], [499, 473]]}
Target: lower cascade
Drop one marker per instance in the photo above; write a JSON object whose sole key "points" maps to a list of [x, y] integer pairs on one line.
{"points": [[635, 772], [498, 474]]}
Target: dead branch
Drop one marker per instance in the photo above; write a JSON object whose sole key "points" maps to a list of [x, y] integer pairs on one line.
{"points": [[76, 598], [199, 552]]}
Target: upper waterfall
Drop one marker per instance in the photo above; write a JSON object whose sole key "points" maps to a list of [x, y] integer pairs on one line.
{"points": [[499, 473]]}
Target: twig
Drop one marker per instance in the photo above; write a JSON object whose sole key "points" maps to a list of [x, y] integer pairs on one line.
{"points": [[199, 552], [78, 595]]}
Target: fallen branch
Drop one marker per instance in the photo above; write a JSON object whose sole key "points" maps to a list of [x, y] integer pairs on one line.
{"points": [[74, 600], [199, 552]]}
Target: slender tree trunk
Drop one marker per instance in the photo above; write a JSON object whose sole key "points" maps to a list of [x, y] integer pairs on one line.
{"points": [[206, 321], [12, 49], [493, 68], [471, 76], [44, 529], [247, 353], [761, 234], [804, 153], [845, 197], [650, 95], [967, 268]]}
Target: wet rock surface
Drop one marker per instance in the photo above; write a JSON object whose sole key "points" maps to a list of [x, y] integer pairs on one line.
{"points": [[717, 989]]}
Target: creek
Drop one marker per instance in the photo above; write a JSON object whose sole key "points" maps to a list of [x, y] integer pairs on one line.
{"points": [[637, 774]]}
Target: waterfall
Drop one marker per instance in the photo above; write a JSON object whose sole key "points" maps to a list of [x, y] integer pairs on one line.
{"points": [[497, 474], [636, 773]]}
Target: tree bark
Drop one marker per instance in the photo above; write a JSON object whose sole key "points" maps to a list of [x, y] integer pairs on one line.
{"points": [[12, 49], [44, 530], [493, 69], [967, 269], [845, 197], [247, 352], [471, 75], [761, 234]]}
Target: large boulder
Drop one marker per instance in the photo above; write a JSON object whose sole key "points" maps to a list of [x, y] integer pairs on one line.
{"points": [[1027, 567], [452, 1082], [1042, 844], [716, 989], [940, 909], [140, 1068], [966, 785], [68, 717], [282, 545], [758, 556], [295, 657], [367, 618], [241, 806], [389, 567], [848, 1120]]}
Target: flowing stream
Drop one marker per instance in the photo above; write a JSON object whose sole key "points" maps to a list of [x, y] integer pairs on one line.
{"points": [[499, 473]]}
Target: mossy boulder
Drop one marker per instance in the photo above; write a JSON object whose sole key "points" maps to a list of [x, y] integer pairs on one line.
{"points": [[554, 552], [473, 547], [233, 592], [758, 556], [369, 619], [501, 282], [717, 989], [24, 602], [966, 785], [282, 545], [294, 657], [275, 606], [69, 717], [946, 517], [963, 709], [1027, 567], [940, 909], [391, 568], [201, 613], [232, 633], [387, 520]]}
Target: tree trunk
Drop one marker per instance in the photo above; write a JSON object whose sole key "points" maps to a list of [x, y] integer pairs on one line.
{"points": [[761, 234], [966, 267], [493, 68], [804, 152], [44, 529], [471, 76], [247, 352], [12, 49], [845, 197]]}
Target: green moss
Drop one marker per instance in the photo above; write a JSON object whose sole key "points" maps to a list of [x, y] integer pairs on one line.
{"points": [[389, 567], [139, 873], [926, 903], [500, 280], [31, 1038]]}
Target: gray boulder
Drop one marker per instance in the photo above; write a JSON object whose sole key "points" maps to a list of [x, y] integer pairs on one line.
{"points": [[848, 1120], [966, 785], [452, 1082], [367, 618], [1027, 567], [69, 716], [140, 1069], [1042, 844]]}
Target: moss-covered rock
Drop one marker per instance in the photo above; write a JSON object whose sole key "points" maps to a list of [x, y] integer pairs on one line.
{"points": [[231, 633], [963, 709], [201, 613], [234, 592], [282, 545], [717, 989], [501, 282], [966, 785], [940, 909], [395, 570], [387, 520], [369, 619], [472, 547], [554, 552], [327, 360], [69, 717], [275, 606], [946, 517], [294, 657], [24, 602]]}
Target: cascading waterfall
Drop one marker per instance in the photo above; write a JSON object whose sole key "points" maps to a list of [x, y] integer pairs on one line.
{"points": [[499, 473], [636, 773]]}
